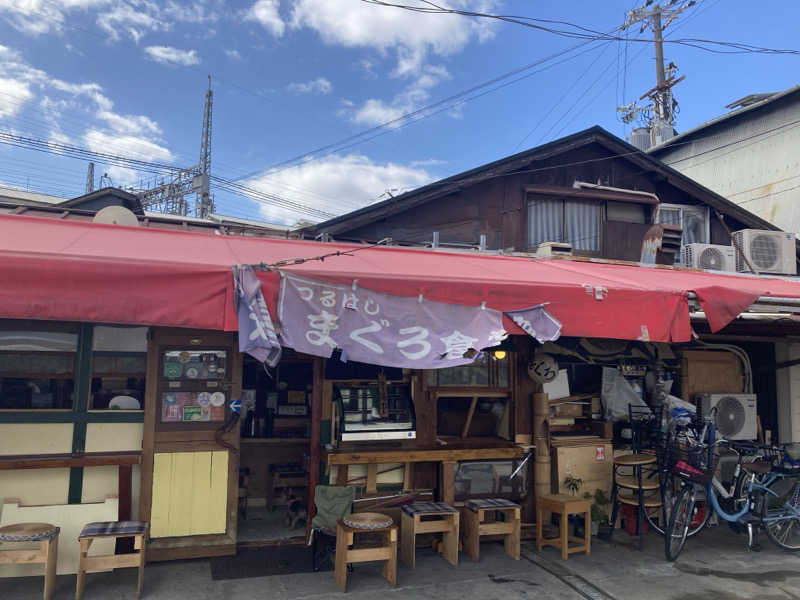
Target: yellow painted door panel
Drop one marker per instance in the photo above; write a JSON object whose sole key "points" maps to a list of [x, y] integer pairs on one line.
{"points": [[189, 493]]}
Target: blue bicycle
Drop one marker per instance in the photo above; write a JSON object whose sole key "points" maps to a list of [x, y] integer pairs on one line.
{"points": [[757, 495]]}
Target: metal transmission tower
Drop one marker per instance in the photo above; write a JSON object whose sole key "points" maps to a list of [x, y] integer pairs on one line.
{"points": [[171, 194], [659, 115], [90, 178]]}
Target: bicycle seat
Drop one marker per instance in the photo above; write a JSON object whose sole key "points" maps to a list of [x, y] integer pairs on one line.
{"points": [[758, 468]]}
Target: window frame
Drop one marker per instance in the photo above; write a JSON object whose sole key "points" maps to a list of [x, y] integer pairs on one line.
{"points": [[531, 197], [682, 208]]}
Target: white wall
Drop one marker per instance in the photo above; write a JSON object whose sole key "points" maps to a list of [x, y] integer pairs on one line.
{"points": [[788, 387]]}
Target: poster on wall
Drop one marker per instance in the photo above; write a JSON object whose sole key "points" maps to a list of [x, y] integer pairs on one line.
{"points": [[187, 407]]}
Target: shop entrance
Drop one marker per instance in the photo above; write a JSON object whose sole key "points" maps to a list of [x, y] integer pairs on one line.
{"points": [[190, 457], [275, 426]]}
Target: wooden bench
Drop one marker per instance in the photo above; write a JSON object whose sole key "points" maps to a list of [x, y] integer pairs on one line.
{"points": [[116, 529], [429, 517], [365, 522], [564, 505], [475, 525], [47, 553]]}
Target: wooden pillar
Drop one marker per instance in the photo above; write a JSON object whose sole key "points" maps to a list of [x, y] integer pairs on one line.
{"points": [[541, 439], [316, 417]]}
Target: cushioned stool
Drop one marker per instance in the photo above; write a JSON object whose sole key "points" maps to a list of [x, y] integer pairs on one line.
{"points": [[475, 525], [429, 517], [47, 536], [113, 529], [366, 522], [564, 505]]}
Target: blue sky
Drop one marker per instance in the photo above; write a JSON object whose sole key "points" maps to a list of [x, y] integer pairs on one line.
{"points": [[292, 76]]}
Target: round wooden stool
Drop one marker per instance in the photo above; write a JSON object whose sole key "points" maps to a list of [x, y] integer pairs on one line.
{"points": [[365, 522], [47, 536], [643, 493]]}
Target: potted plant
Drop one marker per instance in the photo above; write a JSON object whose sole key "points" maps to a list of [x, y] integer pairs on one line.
{"points": [[573, 484], [599, 513]]}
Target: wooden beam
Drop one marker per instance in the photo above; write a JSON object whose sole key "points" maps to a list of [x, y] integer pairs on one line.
{"points": [[56, 461]]}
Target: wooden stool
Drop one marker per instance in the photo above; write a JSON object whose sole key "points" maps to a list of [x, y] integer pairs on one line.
{"points": [[475, 526], [429, 517], [47, 554], [115, 529], [565, 506], [279, 476], [365, 523]]}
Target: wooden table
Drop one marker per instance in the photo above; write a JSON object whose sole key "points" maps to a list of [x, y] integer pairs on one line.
{"points": [[447, 456]]}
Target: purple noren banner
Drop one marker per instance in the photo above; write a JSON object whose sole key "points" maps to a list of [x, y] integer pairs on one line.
{"points": [[315, 317]]}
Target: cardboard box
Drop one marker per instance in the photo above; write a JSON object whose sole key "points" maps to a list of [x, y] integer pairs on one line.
{"points": [[592, 463]]}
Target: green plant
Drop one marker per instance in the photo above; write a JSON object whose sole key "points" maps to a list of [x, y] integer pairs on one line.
{"points": [[573, 484], [599, 513]]}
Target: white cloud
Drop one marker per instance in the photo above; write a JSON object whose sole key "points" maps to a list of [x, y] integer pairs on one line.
{"points": [[265, 12], [167, 55], [36, 17], [411, 34], [126, 145], [14, 96], [233, 54], [320, 85], [376, 112], [64, 102], [354, 179]]}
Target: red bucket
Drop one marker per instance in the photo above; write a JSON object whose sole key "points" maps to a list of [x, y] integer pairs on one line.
{"points": [[629, 520]]}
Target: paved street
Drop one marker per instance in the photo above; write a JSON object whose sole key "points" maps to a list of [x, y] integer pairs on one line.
{"points": [[715, 566]]}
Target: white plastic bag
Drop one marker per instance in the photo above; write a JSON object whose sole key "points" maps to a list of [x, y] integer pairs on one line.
{"points": [[617, 394]]}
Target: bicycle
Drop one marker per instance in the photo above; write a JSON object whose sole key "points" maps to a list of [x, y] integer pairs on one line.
{"points": [[746, 499]]}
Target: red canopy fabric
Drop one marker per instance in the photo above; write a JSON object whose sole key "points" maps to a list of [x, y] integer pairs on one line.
{"points": [[81, 271]]}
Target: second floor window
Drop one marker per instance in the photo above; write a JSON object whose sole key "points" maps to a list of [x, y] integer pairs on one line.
{"points": [[577, 222], [692, 219]]}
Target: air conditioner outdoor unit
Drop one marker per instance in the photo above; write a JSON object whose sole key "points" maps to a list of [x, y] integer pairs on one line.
{"points": [[711, 257], [767, 251], [550, 249], [735, 416]]}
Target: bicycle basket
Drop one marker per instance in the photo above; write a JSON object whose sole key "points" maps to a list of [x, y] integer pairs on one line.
{"points": [[691, 461]]}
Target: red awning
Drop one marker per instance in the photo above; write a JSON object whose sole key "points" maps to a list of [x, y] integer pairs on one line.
{"points": [[79, 271]]}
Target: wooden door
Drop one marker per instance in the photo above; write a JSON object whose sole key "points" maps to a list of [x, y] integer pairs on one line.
{"points": [[190, 465]]}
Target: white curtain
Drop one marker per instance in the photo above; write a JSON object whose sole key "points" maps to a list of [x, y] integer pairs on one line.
{"points": [[545, 221], [583, 224]]}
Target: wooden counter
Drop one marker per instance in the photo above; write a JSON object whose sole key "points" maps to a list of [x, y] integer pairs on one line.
{"points": [[408, 453]]}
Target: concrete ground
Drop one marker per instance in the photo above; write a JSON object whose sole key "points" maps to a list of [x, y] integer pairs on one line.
{"points": [[715, 565]]}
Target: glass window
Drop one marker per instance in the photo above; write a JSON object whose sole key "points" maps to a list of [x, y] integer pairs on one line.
{"points": [[484, 372], [545, 221], [119, 363], [692, 219], [577, 222], [583, 224], [626, 212], [37, 364]]}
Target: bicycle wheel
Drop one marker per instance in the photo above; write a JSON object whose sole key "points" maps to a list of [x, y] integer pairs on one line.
{"points": [[780, 521], [679, 520], [700, 514]]}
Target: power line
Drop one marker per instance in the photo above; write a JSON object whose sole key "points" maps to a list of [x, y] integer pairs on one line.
{"points": [[18, 141], [580, 32]]}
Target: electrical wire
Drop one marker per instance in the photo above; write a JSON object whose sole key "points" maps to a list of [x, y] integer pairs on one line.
{"points": [[580, 32]]}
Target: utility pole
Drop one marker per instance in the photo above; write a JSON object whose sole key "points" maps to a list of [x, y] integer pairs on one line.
{"points": [[90, 178], [659, 117]]}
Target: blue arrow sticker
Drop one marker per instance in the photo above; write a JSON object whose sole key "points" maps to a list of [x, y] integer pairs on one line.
{"points": [[235, 405]]}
